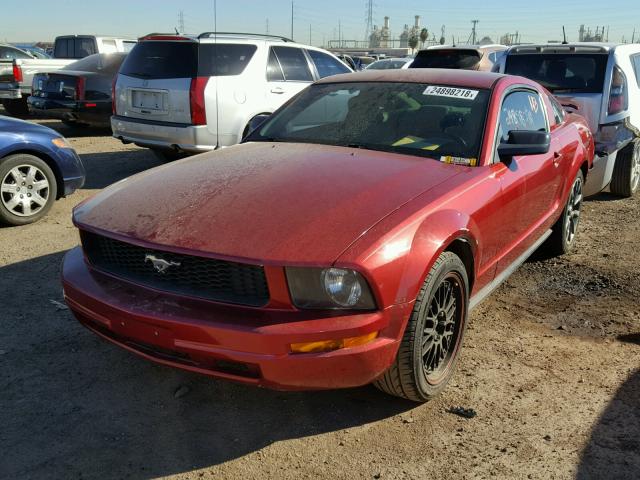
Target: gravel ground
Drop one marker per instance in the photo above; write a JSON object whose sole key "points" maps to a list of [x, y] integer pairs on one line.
{"points": [[550, 365]]}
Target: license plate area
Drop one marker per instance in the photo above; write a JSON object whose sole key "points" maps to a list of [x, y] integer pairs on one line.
{"points": [[149, 101]]}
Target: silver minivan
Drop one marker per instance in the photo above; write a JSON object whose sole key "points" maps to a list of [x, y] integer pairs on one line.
{"points": [[601, 82], [180, 94]]}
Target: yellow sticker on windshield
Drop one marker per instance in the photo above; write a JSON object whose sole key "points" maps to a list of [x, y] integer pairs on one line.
{"points": [[469, 162], [431, 147], [405, 141]]}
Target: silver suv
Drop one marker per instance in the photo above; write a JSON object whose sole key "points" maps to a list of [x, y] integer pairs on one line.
{"points": [[185, 94], [601, 82]]}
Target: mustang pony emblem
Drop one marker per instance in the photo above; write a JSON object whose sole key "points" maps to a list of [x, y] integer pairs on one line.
{"points": [[160, 264]]}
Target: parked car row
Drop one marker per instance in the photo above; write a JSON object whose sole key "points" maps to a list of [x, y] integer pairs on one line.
{"points": [[16, 71]]}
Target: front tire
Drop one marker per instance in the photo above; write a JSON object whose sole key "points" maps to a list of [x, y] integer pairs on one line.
{"points": [[27, 189], [563, 233], [626, 171], [430, 347]]}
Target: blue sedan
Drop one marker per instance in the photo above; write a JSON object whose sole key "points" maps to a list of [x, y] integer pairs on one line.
{"points": [[37, 167]]}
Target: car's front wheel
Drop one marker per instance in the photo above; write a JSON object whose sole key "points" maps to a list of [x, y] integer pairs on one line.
{"points": [[27, 189], [433, 337]]}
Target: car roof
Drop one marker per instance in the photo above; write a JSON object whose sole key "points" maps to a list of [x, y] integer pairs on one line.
{"points": [[440, 76]]}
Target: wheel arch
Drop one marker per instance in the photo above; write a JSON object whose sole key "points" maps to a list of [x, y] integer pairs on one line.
{"points": [[46, 159], [444, 231]]}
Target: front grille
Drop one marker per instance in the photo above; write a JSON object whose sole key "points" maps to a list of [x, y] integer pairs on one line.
{"points": [[190, 275]]}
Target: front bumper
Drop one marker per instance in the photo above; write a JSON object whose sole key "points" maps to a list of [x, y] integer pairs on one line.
{"points": [[235, 343], [168, 136]]}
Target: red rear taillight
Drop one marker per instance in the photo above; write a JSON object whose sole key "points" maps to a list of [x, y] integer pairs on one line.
{"points": [[618, 96], [80, 88], [196, 100], [17, 73], [113, 95]]}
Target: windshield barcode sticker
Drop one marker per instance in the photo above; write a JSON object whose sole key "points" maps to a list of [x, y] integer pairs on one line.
{"points": [[451, 92], [469, 162]]}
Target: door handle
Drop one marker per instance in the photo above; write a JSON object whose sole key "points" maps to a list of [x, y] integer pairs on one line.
{"points": [[277, 90]]}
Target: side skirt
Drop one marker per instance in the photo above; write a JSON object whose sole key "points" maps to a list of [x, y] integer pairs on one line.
{"points": [[506, 273]]}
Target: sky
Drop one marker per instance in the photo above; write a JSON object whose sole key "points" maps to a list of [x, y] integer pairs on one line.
{"points": [[315, 22]]}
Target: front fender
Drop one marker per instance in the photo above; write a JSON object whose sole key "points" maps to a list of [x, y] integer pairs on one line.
{"points": [[434, 235], [397, 262]]}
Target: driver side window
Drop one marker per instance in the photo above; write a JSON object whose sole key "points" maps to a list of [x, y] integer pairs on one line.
{"points": [[521, 111]]}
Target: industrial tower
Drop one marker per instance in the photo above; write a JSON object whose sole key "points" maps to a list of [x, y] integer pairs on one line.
{"points": [[369, 20]]}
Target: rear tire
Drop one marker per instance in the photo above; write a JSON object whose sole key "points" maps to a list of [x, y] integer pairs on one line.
{"points": [[565, 230], [430, 347], [16, 107], [626, 171], [27, 189]]}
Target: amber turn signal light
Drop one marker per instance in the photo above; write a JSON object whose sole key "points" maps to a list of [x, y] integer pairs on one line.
{"points": [[329, 345]]}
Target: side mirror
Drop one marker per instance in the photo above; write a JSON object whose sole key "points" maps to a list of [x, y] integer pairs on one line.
{"points": [[255, 123], [524, 142]]}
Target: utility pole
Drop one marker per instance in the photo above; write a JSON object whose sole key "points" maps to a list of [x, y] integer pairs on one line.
{"points": [[267, 27], [291, 19], [369, 20], [633, 37], [309, 34], [473, 32], [181, 21], [339, 34]]}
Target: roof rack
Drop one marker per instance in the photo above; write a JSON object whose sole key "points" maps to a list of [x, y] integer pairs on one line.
{"points": [[240, 34]]}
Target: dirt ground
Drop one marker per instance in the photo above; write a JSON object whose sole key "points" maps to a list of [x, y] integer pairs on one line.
{"points": [[550, 365]]}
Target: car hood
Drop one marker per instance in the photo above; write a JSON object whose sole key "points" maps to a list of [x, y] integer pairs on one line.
{"points": [[266, 202], [15, 126]]}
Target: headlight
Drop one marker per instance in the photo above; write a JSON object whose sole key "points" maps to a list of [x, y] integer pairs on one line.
{"points": [[61, 142], [330, 288]]}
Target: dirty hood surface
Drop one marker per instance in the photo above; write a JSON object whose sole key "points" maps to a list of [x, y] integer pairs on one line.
{"points": [[282, 202]]}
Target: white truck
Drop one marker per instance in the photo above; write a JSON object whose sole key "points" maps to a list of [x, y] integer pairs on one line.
{"points": [[16, 75]]}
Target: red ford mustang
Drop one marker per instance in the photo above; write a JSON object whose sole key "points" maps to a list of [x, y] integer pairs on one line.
{"points": [[345, 241]]}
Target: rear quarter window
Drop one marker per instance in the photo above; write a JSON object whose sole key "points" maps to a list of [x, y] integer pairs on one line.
{"points": [[326, 65], [294, 64]]}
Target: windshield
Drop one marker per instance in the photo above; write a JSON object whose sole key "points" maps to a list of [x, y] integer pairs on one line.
{"points": [[458, 59], [573, 72], [412, 118], [387, 64]]}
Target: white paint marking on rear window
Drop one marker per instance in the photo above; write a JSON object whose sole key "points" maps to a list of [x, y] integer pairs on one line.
{"points": [[451, 92]]}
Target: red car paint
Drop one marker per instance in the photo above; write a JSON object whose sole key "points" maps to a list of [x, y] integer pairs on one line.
{"points": [[388, 216]]}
